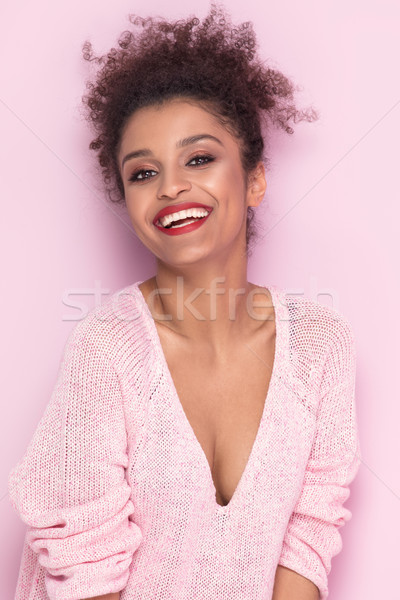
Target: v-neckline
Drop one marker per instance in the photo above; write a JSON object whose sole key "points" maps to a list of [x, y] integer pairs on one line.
{"points": [[219, 508]]}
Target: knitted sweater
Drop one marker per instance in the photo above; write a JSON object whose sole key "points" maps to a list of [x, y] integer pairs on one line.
{"points": [[117, 493]]}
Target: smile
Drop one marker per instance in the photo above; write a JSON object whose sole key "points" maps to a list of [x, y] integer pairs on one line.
{"points": [[181, 218]]}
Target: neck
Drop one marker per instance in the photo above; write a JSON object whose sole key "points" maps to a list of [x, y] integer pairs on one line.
{"points": [[210, 304]]}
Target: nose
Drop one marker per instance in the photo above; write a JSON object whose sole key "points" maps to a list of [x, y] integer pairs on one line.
{"points": [[171, 183]]}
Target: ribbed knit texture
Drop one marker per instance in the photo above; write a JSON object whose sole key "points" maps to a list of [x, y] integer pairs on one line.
{"points": [[117, 493]]}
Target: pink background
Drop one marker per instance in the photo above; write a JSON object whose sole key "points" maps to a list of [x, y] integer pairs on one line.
{"points": [[330, 219]]}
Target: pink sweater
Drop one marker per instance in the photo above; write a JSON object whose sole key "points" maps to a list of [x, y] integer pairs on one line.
{"points": [[117, 493]]}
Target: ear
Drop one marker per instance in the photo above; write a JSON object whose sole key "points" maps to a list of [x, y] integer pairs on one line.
{"points": [[256, 185]]}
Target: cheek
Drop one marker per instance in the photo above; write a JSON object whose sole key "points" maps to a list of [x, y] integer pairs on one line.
{"points": [[229, 190], [135, 211], [227, 181]]}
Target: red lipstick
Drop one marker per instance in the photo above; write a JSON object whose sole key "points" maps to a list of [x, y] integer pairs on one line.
{"points": [[173, 208]]}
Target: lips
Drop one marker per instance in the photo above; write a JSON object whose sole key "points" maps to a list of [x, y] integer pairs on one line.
{"points": [[192, 216], [172, 208]]}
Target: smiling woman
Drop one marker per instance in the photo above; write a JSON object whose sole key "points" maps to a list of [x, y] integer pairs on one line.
{"points": [[202, 435], [211, 62], [180, 172]]}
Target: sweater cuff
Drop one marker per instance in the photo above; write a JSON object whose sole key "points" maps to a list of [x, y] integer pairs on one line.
{"points": [[86, 550]]}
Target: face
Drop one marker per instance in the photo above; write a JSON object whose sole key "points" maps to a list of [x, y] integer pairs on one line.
{"points": [[185, 189]]}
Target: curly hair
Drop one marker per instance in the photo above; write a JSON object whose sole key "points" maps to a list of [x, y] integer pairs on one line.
{"points": [[211, 62]]}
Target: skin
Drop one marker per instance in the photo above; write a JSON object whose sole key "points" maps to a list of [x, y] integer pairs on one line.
{"points": [[217, 249], [204, 332]]}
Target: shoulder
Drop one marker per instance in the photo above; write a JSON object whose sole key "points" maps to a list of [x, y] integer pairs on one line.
{"points": [[120, 321], [321, 326], [321, 342], [320, 338]]}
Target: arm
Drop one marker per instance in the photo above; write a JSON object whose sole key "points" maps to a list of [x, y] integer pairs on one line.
{"points": [[70, 488], [312, 537], [289, 585]]}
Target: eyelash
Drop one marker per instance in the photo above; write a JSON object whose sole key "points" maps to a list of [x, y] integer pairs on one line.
{"points": [[207, 157]]}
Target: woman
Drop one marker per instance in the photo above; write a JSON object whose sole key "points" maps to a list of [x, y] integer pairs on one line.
{"points": [[201, 437]]}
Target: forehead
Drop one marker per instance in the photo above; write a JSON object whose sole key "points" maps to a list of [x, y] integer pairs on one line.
{"points": [[170, 121]]}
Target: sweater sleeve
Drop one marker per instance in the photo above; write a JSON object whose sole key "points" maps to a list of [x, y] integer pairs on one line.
{"points": [[312, 536], [70, 487]]}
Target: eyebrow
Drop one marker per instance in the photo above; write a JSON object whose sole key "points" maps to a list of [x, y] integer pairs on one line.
{"points": [[181, 144]]}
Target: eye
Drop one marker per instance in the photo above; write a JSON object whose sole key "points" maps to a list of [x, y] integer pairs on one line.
{"points": [[142, 175], [201, 159]]}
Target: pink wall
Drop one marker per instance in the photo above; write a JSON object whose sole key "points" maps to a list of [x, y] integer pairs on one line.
{"points": [[330, 218]]}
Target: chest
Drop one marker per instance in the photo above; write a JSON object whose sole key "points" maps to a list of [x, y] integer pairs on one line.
{"points": [[223, 402]]}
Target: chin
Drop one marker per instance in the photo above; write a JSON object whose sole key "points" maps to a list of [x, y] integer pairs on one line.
{"points": [[185, 257]]}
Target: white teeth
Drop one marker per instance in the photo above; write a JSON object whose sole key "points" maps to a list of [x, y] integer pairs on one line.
{"points": [[183, 214], [183, 224]]}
